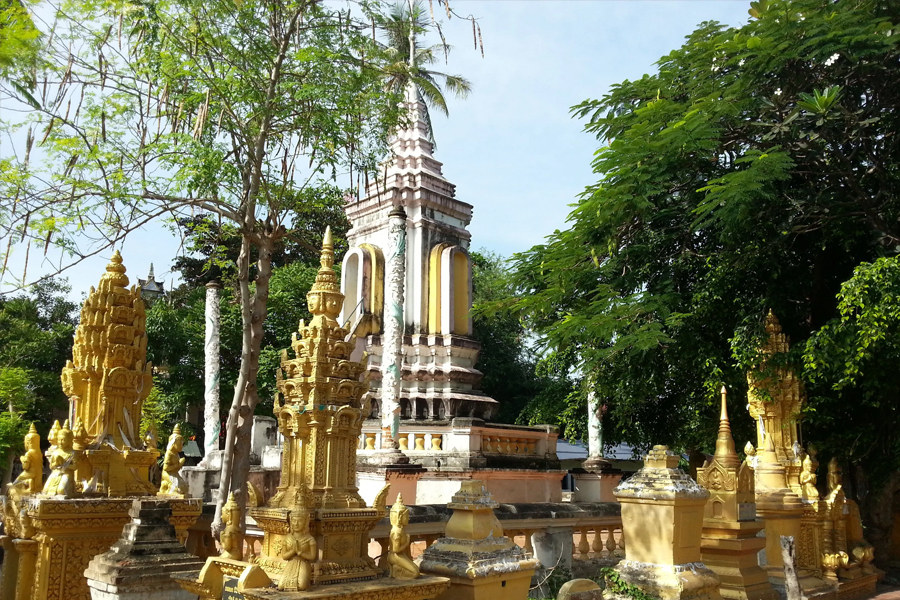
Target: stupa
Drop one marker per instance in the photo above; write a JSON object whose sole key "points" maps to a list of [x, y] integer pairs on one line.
{"points": [[316, 527], [827, 558], [97, 459]]}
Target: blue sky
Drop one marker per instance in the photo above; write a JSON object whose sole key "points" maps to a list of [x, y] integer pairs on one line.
{"points": [[511, 148]]}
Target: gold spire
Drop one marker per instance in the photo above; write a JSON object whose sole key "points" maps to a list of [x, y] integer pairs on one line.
{"points": [[115, 271], [726, 455], [325, 299]]}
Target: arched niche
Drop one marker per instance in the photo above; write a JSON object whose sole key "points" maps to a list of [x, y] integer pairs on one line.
{"points": [[362, 283], [449, 290]]}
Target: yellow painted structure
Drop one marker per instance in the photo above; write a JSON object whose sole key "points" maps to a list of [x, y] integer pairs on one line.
{"points": [[662, 519], [729, 544], [319, 414], [827, 558], [480, 561], [98, 463]]}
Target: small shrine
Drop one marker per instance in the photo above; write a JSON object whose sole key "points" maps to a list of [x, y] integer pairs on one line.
{"points": [[98, 461], [662, 515], [730, 544], [831, 550], [316, 527]]}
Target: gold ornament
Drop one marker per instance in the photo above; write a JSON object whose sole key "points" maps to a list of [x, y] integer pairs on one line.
{"points": [[808, 480], [232, 539], [30, 481], [299, 549], [62, 466], [402, 566], [173, 484]]}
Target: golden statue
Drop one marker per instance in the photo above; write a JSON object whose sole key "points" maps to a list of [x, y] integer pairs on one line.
{"points": [[232, 539], [298, 551], [30, 480], [62, 464], [835, 476], [808, 480], [402, 565], [173, 484]]}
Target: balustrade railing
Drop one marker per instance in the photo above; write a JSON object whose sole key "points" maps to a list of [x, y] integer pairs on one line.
{"points": [[559, 535]]}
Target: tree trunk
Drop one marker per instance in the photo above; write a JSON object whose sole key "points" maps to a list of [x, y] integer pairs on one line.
{"points": [[791, 581], [240, 387]]}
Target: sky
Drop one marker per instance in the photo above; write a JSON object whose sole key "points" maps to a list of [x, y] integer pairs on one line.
{"points": [[511, 147]]}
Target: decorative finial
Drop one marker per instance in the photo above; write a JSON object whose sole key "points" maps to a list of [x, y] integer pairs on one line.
{"points": [[327, 258], [325, 297], [32, 430], [725, 452], [115, 271], [150, 275]]}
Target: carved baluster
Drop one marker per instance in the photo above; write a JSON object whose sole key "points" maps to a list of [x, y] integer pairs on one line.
{"points": [[486, 444], [420, 441], [611, 541], [435, 442], [529, 547], [404, 442], [583, 547], [597, 543], [370, 441], [532, 447], [621, 545]]}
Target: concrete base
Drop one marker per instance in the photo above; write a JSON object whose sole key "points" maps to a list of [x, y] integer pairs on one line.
{"points": [[692, 581], [596, 486], [507, 486], [508, 586], [403, 480], [861, 587], [730, 550]]}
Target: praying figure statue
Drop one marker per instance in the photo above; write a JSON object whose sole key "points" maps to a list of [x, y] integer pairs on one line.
{"points": [[835, 478], [298, 550], [808, 480], [62, 465], [30, 481], [232, 540], [173, 484], [402, 566]]}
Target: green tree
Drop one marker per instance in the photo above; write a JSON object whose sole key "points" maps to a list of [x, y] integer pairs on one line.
{"points": [[403, 25], [755, 170], [181, 106]]}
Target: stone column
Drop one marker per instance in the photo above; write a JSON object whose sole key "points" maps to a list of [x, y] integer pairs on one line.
{"points": [[9, 570], [211, 423], [27, 551], [595, 431], [392, 338]]}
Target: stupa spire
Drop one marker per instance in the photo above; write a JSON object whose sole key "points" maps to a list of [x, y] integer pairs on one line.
{"points": [[726, 454]]}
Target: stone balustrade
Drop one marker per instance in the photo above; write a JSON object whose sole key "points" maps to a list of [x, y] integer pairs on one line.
{"points": [[579, 537], [465, 436]]}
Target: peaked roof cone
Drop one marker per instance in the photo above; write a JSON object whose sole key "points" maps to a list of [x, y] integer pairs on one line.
{"points": [[726, 454]]}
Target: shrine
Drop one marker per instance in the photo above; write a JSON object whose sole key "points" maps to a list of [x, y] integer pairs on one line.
{"points": [[98, 461]]}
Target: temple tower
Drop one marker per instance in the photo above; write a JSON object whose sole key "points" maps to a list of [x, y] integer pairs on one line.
{"points": [[439, 376]]}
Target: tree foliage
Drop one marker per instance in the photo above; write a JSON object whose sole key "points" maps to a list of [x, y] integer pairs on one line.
{"points": [[755, 170]]}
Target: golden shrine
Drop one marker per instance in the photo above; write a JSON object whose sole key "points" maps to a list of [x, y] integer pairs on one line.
{"points": [[830, 543], [97, 461], [316, 527], [729, 544]]}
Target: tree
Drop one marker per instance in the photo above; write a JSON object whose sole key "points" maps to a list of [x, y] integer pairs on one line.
{"points": [[755, 170], [263, 102], [36, 332], [402, 25]]}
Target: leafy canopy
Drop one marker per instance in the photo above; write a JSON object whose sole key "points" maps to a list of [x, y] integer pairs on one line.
{"points": [[755, 170]]}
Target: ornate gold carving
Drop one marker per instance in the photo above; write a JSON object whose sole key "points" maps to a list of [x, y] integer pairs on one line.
{"points": [[808, 480], [107, 381], [232, 539], [62, 466], [298, 550], [30, 481], [173, 484], [402, 566]]}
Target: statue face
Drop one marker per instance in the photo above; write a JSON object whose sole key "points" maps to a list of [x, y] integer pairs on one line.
{"points": [[65, 439], [32, 441]]}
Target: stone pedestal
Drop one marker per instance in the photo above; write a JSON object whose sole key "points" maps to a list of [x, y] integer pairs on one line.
{"points": [[596, 486], [70, 532], [782, 511], [139, 565], [480, 561], [10, 568], [662, 517]]}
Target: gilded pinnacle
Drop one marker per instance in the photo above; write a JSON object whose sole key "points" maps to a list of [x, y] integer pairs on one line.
{"points": [[726, 455], [326, 278]]}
